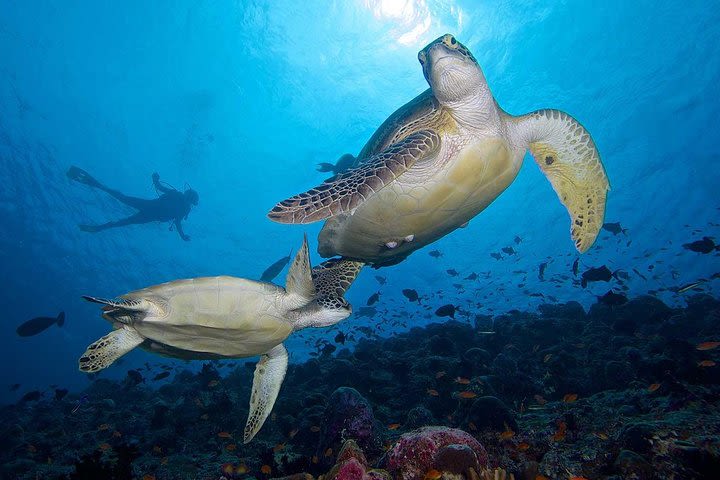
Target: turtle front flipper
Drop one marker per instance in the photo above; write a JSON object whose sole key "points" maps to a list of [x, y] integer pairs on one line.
{"points": [[566, 154], [333, 277], [347, 191], [102, 353], [269, 375]]}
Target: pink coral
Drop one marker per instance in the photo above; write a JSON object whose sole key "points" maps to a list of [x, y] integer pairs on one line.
{"points": [[414, 453]]}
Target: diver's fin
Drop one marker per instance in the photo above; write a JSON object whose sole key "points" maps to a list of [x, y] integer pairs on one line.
{"points": [[566, 154], [351, 188], [81, 176], [299, 278], [102, 353], [269, 376]]}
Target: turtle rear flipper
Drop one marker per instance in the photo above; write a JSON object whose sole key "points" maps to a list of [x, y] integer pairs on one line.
{"points": [[345, 192], [566, 154], [103, 352], [269, 375]]}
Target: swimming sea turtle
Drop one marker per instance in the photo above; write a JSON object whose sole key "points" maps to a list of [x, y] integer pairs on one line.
{"points": [[227, 317], [441, 159]]}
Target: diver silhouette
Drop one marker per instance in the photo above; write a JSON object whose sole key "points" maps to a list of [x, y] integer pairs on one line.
{"points": [[170, 205]]}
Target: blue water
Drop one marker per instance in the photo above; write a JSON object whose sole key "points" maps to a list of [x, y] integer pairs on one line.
{"points": [[242, 99]]}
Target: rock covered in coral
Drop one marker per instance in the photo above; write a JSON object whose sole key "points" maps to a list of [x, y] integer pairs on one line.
{"points": [[348, 416], [490, 413], [432, 448], [351, 464]]}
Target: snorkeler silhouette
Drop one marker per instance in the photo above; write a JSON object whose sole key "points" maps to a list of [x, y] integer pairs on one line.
{"points": [[170, 205]]}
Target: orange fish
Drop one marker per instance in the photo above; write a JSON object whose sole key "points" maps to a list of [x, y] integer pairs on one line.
{"points": [[578, 478], [433, 393], [213, 383], [522, 446], [467, 394], [104, 446], [230, 447], [314, 429], [440, 374], [241, 469], [224, 435], [278, 447], [653, 387], [540, 400], [707, 346], [103, 427], [266, 469], [328, 452], [570, 397], [432, 475], [227, 468], [393, 426], [462, 381], [558, 436], [507, 434], [541, 477], [147, 476], [706, 363]]}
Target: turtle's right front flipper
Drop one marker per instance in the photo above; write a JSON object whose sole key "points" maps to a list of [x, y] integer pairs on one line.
{"points": [[344, 193]]}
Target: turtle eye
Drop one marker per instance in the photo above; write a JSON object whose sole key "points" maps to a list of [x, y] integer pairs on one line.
{"points": [[421, 57], [450, 41]]}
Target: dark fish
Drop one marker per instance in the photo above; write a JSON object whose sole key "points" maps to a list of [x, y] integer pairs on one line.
{"points": [[435, 253], [327, 350], [541, 271], [411, 295], [509, 250], [613, 299], [14, 387], [340, 338], [517, 240], [273, 270], [576, 265], [31, 396], [160, 376], [380, 280], [452, 272], [496, 256], [614, 228], [472, 276], [135, 377], [40, 324], [366, 312], [639, 274], [706, 245], [60, 393], [599, 274], [446, 311], [372, 300], [343, 163]]}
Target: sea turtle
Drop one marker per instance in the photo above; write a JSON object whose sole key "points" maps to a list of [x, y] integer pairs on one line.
{"points": [[227, 317], [441, 159]]}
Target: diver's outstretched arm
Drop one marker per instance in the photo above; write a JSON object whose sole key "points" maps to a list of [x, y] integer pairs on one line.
{"points": [[178, 227], [159, 186]]}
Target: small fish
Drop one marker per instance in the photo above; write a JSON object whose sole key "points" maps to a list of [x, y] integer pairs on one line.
{"points": [[160, 376], [462, 381], [472, 276], [341, 164], [541, 270], [432, 475], [496, 256], [79, 403], [381, 280], [614, 228], [706, 363], [433, 393], [104, 447], [547, 357], [273, 270], [435, 253], [314, 429], [213, 383], [509, 250], [522, 446], [241, 469], [148, 476], [373, 299], [40, 324], [601, 435], [393, 426], [653, 387], [14, 387], [570, 397], [599, 274], [452, 272], [329, 452], [704, 346], [266, 469], [279, 447], [440, 374], [706, 245], [575, 266], [613, 299], [467, 394], [340, 338], [32, 396], [446, 311], [224, 435], [104, 426], [134, 377], [60, 393], [507, 434], [366, 312], [517, 240], [690, 286], [411, 295]]}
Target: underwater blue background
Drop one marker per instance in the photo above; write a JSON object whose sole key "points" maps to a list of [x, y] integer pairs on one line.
{"points": [[241, 100]]}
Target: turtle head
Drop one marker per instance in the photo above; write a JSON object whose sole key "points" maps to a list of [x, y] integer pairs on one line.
{"points": [[451, 70], [323, 311]]}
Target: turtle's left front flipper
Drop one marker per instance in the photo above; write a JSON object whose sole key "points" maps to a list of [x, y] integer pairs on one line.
{"points": [[269, 376], [566, 154]]}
